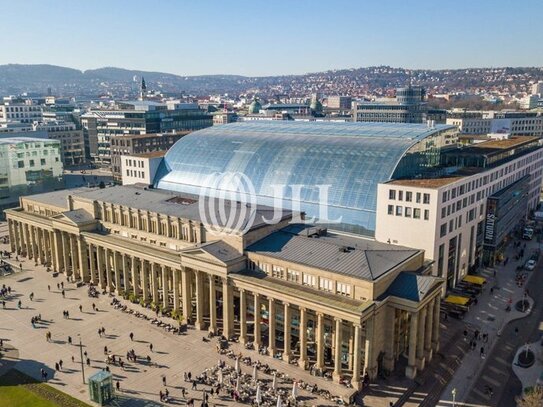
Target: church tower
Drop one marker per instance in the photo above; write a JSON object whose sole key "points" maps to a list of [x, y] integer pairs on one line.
{"points": [[143, 89]]}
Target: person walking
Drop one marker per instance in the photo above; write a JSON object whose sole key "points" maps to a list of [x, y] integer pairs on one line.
{"points": [[93, 306], [60, 363], [48, 287], [164, 380], [31, 296], [151, 347], [80, 308], [131, 336], [70, 340], [63, 294], [118, 386], [19, 304]]}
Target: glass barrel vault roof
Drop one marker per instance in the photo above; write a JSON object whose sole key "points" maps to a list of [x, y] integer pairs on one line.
{"points": [[352, 158]]}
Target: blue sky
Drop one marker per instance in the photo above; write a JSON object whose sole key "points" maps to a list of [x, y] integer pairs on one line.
{"points": [[271, 37]]}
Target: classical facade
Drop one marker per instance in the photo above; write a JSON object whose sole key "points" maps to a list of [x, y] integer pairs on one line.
{"points": [[344, 305]]}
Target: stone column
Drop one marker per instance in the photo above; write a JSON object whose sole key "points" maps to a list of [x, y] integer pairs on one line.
{"points": [[242, 316], [351, 347], [428, 353], [199, 300], [176, 294], [411, 369], [83, 260], [287, 326], [258, 319], [100, 261], [435, 325], [420, 339], [58, 252], [53, 251], [145, 269], [302, 361], [154, 280], [66, 253], [390, 339], [28, 245], [212, 305], [165, 300], [93, 277], [48, 248], [34, 240], [126, 274], [227, 309], [135, 279], [271, 326], [109, 274], [369, 361], [74, 254], [117, 267], [40, 240], [355, 381], [338, 347], [186, 284], [11, 236], [320, 341]]}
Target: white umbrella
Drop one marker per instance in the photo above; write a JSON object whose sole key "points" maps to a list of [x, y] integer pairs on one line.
{"points": [[294, 390], [279, 401], [255, 374], [274, 383], [258, 397], [220, 377], [236, 367]]}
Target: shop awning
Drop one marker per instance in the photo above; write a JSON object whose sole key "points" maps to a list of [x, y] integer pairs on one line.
{"points": [[474, 280], [457, 300]]}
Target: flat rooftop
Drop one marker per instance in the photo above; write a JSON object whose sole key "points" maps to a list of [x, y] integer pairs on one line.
{"points": [[349, 255], [182, 205], [426, 183]]}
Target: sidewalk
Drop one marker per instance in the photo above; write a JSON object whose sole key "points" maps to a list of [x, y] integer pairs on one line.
{"points": [[489, 317]]}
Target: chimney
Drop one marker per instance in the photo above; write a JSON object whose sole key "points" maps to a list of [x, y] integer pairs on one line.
{"points": [[70, 203]]}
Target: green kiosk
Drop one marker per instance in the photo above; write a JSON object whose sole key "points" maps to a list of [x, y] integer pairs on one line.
{"points": [[101, 387]]}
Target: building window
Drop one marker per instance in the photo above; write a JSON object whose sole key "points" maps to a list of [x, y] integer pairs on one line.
{"points": [[408, 196], [309, 280], [399, 210], [443, 212], [426, 214], [443, 230], [343, 289], [325, 284], [426, 198], [408, 211], [400, 195], [392, 194], [293, 275], [277, 272], [31, 163], [416, 213], [391, 209]]}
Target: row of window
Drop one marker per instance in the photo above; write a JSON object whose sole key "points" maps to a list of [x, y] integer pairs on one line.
{"points": [[408, 212], [136, 163], [134, 173], [323, 284], [408, 196]]}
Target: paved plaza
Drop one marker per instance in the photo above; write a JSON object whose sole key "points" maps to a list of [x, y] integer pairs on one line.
{"points": [[172, 355]]}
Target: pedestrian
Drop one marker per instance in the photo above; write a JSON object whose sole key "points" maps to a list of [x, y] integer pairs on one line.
{"points": [[21, 266], [48, 287], [63, 294], [491, 290], [118, 385], [103, 331], [57, 367], [131, 336], [80, 308], [185, 376], [31, 296], [516, 331], [19, 304], [482, 351], [73, 359], [4, 304], [60, 363], [189, 375], [85, 353], [164, 380], [183, 392], [70, 340], [67, 314], [194, 385], [88, 361], [99, 332], [93, 306], [465, 334], [105, 350], [151, 347], [62, 284]]}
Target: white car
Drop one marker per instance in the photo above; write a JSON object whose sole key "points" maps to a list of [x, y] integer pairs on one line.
{"points": [[530, 265]]}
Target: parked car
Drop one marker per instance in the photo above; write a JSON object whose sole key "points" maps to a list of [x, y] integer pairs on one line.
{"points": [[530, 265]]}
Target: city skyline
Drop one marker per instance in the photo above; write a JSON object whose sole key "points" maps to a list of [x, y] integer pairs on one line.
{"points": [[260, 39]]}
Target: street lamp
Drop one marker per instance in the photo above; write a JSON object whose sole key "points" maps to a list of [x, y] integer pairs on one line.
{"points": [[453, 392], [81, 354]]}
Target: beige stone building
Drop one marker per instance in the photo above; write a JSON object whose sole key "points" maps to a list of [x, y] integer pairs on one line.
{"points": [[350, 305]]}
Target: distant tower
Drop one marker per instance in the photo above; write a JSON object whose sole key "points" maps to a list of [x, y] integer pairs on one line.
{"points": [[143, 88]]}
